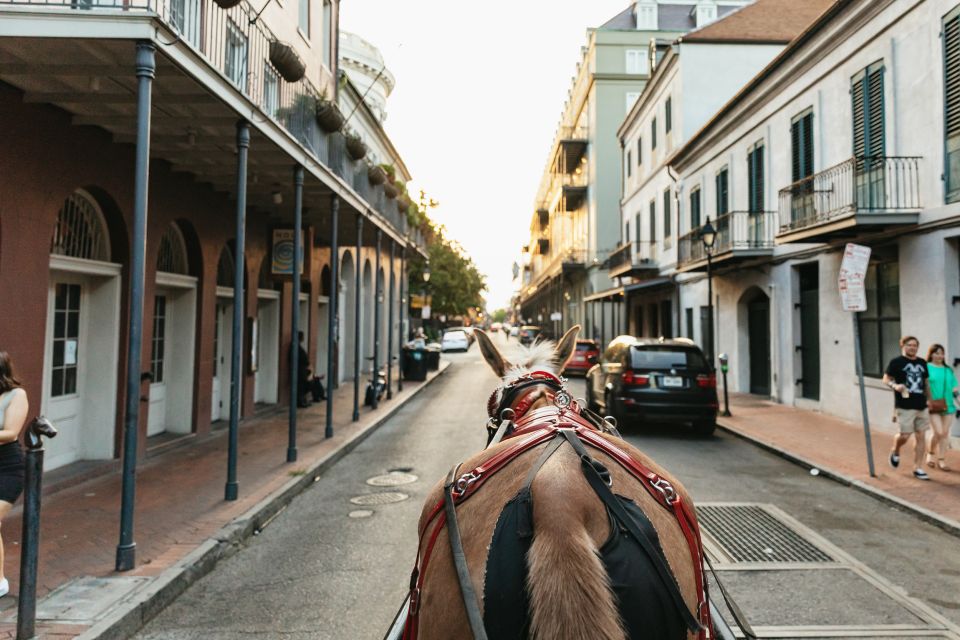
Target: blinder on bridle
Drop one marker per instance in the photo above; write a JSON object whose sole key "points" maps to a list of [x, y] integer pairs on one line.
{"points": [[500, 404]]}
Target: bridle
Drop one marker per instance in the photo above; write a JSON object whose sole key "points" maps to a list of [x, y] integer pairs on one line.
{"points": [[508, 403]]}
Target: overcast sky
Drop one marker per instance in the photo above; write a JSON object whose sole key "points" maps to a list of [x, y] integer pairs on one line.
{"points": [[480, 88]]}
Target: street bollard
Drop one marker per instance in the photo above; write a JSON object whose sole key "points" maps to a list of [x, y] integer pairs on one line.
{"points": [[724, 360], [30, 538]]}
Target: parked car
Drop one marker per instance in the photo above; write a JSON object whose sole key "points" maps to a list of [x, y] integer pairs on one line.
{"points": [[640, 380], [529, 334], [455, 340], [495, 327], [584, 357], [467, 330]]}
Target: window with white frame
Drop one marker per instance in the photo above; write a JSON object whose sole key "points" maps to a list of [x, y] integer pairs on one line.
{"points": [[631, 99], [235, 54], [327, 33], [304, 17], [271, 90], [636, 62]]}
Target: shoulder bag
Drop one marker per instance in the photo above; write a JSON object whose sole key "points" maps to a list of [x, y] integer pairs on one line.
{"points": [[940, 405]]}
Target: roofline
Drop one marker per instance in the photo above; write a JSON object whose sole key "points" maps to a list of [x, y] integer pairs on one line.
{"points": [[735, 41], [805, 36]]}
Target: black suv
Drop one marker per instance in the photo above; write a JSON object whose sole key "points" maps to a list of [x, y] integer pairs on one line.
{"points": [[641, 380]]}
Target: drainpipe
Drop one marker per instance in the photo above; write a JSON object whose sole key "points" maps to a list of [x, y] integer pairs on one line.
{"points": [[295, 316], [333, 319], [145, 69]]}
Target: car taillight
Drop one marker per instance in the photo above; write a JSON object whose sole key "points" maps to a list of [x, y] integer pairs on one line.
{"points": [[632, 379], [707, 381]]}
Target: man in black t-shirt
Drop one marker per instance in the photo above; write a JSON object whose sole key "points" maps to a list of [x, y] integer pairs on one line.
{"points": [[907, 376]]}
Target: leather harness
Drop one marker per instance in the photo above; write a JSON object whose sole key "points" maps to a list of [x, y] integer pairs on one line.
{"points": [[567, 422]]}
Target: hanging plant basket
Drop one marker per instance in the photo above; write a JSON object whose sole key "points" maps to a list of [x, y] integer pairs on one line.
{"points": [[355, 147], [390, 190], [227, 4], [403, 203], [287, 62], [376, 175], [328, 116]]}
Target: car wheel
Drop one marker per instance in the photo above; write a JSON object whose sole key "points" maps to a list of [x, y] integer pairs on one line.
{"points": [[704, 428]]}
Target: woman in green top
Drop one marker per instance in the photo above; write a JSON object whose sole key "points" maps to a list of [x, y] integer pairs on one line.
{"points": [[943, 386]]}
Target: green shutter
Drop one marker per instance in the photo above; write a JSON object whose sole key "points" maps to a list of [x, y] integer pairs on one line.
{"points": [[636, 226], [666, 214], [951, 83], [859, 120], [653, 133], [801, 140], [653, 221], [808, 144], [722, 193], [876, 136], [694, 209]]}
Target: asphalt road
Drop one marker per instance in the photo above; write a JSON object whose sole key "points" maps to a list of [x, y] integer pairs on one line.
{"points": [[319, 572]]}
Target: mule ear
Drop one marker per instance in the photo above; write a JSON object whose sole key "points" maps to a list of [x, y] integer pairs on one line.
{"points": [[565, 348], [491, 354]]}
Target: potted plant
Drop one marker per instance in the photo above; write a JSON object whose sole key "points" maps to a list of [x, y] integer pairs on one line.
{"points": [[227, 4], [376, 175], [329, 116], [403, 203], [288, 64], [390, 189], [355, 146]]}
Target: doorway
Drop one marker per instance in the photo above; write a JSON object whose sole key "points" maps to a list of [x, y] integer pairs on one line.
{"points": [[809, 347], [758, 328], [265, 378]]}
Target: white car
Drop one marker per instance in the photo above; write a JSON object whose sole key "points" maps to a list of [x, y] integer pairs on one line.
{"points": [[455, 341]]}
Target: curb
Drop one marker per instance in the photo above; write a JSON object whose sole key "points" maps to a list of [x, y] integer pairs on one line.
{"points": [[946, 524], [130, 615]]}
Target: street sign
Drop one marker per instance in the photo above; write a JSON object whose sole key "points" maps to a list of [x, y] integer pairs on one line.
{"points": [[850, 281]]}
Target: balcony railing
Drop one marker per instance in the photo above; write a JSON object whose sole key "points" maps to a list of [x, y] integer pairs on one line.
{"points": [[632, 255], [237, 46], [743, 231], [867, 184]]}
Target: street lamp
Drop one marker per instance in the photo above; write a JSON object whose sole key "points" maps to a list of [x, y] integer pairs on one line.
{"points": [[708, 235]]}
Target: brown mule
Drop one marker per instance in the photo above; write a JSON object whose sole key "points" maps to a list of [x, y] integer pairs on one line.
{"points": [[569, 593]]}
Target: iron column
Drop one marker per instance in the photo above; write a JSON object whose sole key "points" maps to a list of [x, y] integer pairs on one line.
{"points": [[711, 344], [146, 68], [393, 259], [356, 314], [400, 311], [295, 315], [333, 320], [377, 294], [243, 148]]}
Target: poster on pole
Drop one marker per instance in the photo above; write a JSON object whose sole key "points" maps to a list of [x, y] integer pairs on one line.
{"points": [[852, 277]]}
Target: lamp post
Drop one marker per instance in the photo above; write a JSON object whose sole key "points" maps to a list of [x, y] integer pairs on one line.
{"points": [[708, 235]]}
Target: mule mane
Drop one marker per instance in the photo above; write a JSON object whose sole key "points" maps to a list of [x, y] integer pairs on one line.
{"points": [[535, 357]]}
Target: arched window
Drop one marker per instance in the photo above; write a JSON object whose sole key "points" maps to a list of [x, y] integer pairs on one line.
{"points": [[225, 268], [172, 257], [81, 231]]}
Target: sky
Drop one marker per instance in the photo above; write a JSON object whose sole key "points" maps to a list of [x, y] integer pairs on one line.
{"points": [[480, 87]]}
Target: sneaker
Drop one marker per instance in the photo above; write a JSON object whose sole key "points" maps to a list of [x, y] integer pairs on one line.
{"points": [[920, 474], [894, 460], [4, 587]]}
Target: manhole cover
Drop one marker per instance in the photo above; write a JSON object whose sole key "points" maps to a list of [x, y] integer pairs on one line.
{"points": [[393, 479], [387, 497], [361, 513]]}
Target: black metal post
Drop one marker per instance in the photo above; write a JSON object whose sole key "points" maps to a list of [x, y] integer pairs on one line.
{"points": [[146, 69], [357, 324], [603, 323], [403, 306], [30, 536], [726, 394], [712, 343], [233, 443], [393, 259], [377, 295], [333, 319], [295, 316]]}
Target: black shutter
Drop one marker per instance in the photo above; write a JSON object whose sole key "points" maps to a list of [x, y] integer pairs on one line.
{"points": [[807, 145], [666, 214], [857, 91], [951, 81], [796, 150], [722, 204], [876, 138], [758, 186], [801, 140]]}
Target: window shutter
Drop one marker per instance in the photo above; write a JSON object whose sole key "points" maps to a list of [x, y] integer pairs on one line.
{"points": [[722, 195], [951, 89], [626, 233], [636, 227], [668, 120], [694, 209], [666, 214], [639, 151], [796, 144], [653, 133], [859, 124], [801, 139], [758, 191], [807, 145], [653, 221], [876, 139]]}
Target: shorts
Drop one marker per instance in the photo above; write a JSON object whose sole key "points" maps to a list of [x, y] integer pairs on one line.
{"points": [[913, 420]]}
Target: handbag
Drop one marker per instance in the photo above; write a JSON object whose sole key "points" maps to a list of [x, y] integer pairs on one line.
{"points": [[939, 406]]}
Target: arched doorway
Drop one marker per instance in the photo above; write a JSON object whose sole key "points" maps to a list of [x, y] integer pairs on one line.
{"points": [[172, 338], [81, 355], [223, 337], [755, 310], [348, 325], [267, 338], [322, 326]]}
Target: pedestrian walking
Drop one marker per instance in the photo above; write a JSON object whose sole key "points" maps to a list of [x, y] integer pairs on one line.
{"points": [[943, 390], [13, 414], [907, 376]]}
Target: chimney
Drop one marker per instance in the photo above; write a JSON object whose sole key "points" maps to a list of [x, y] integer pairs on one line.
{"points": [[706, 12], [646, 14]]}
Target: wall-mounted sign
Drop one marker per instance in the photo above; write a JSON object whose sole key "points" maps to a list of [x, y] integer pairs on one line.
{"points": [[281, 263]]}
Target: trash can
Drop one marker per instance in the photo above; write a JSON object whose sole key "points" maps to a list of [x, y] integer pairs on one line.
{"points": [[433, 357], [414, 364]]}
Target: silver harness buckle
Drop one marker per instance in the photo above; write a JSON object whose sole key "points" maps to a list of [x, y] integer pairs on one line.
{"points": [[463, 483], [665, 488]]}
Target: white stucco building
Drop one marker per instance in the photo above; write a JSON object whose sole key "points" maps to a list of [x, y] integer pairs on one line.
{"points": [[849, 135]]}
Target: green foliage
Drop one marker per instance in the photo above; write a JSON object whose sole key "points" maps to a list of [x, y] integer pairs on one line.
{"points": [[499, 315], [455, 284]]}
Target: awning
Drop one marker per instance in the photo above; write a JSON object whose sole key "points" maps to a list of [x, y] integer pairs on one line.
{"points": [[653, 283], [605, 295]]}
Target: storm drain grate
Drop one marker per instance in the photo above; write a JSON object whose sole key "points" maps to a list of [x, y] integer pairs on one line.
{"points": [[749, 533]]}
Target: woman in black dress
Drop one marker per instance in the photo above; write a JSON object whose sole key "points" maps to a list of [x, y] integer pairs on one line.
{"points": [[13, 414]]}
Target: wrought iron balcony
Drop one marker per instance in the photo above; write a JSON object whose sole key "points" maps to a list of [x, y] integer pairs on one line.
{"points": [[571, 149], [633, 259], [574, 260], [868, 193], [740, 235]]}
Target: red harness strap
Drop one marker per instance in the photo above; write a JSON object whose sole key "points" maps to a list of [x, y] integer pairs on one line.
{"points": [[536, 428]]}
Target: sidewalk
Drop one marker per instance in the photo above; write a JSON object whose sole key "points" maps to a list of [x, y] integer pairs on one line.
{"points": [[837, 448], [181, 523]]}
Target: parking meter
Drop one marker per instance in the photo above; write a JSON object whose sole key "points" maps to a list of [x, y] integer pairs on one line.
{"points": [[724, 359], [724, 362]]}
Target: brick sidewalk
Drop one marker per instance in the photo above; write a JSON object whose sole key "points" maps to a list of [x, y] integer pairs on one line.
{"points": [[838, 447], [179, 500]]}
